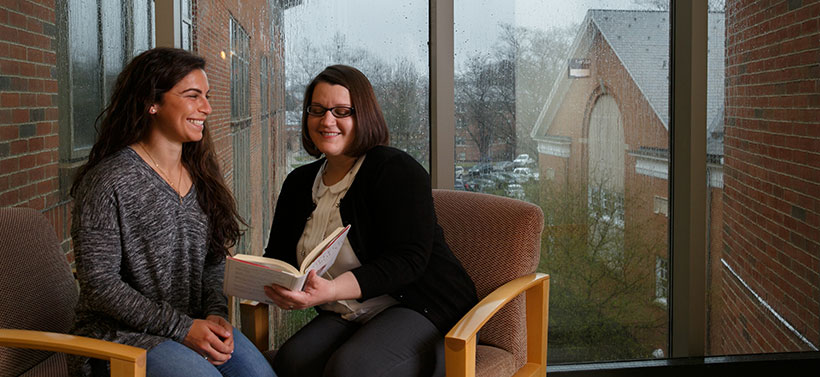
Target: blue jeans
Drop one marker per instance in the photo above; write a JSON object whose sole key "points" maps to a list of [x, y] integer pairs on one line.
{"points": [[171, 358]]}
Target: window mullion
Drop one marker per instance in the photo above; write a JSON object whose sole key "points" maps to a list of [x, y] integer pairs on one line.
{"points": [[442, 100], [168, 23], [687, 303]]}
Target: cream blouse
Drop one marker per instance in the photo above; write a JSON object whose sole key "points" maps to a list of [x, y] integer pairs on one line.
{"points": [[324, 219]]}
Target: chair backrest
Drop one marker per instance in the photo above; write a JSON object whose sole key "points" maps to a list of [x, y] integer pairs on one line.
{"points": [[497, 239], [36, 284]]}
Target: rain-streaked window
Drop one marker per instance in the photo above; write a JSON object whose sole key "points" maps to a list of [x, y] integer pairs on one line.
{"points": [[566, 99], [94, 41], [240, 72], [186, 24]]}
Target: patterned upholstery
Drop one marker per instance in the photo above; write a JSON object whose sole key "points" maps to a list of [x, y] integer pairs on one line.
{"points": [[38, 289], [497, 239]]}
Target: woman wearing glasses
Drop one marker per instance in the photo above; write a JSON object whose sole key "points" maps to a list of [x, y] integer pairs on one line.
{"points": [[395, 288]]}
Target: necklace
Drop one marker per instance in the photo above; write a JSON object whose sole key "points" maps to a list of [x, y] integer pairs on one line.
{"points": [[164, 174]]}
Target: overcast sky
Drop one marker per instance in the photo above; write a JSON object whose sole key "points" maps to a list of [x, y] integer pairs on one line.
{"points": [[390, 28]]}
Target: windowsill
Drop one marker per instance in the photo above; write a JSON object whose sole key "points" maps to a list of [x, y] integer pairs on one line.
{"points": [[780, 364]]}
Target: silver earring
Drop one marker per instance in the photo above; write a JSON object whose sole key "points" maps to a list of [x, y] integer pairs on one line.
{"points": [[152, 111]]}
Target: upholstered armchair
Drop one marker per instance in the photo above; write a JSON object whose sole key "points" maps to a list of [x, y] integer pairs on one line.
{"points": [[39, 294], [498, 240]]}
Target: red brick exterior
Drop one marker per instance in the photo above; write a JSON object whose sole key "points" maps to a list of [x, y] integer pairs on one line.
{"points": [[211, 39], [642, 128], [771, 224], [29, 139]]}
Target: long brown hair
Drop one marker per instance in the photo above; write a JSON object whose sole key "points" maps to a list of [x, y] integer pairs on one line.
{"points": [[125, 121], [371, 128]]}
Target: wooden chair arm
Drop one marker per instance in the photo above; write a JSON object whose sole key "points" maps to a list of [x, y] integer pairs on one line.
{"points": [[460, 341], [126, 361]]}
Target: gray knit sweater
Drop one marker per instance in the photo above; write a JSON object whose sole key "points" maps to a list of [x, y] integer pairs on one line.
{"points": [[142, 257]]}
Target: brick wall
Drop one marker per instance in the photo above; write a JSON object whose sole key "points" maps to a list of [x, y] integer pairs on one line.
{"points": [[29, 139], [771, 224]]}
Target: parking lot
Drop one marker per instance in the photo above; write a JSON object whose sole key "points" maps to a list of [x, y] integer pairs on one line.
{"points": [[499, 177]]}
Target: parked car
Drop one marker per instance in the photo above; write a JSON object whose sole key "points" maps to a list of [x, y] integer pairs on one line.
{"points": [[503, 178], [459, 184], [479, 184], [480, 169], [523, 174], [523, 160], [503, 166], [514, 190], [459, 172]]}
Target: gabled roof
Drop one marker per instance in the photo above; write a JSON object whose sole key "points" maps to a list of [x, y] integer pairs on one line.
{"points": [[640, 40]]}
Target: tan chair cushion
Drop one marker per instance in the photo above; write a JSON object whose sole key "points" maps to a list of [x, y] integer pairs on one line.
{"points": [[54, 366], [38, 289], [493, 362]]}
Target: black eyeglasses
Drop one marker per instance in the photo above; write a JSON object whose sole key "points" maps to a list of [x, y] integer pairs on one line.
{"points": [[337, 111]]}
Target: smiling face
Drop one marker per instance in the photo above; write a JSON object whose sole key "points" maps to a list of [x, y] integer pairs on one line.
{"points": [[180, 117], [331, 135]]}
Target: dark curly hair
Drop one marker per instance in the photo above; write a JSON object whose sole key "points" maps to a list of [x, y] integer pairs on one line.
{"points": [[125, 121]]}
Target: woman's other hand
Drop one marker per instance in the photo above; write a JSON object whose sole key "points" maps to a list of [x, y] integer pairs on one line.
{"points": [[222, 322], [211, 339], [317, 291]]}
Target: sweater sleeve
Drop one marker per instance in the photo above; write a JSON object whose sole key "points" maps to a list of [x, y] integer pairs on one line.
{"points": [[96, 233], [214, 301], [403, 225]]}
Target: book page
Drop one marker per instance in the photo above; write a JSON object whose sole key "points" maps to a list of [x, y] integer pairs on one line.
{"points": [[248, 280], [324, 254], [325, 259], [275, 264]]}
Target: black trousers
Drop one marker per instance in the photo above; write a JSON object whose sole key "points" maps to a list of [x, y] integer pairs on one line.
{"points": [[396, 342]]}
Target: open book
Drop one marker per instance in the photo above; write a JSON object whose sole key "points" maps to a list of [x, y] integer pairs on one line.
{"points": [[247, 275]]}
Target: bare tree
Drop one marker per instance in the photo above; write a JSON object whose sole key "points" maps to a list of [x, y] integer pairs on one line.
{"points": [[540, 56], [485, 103], [402, 94]]}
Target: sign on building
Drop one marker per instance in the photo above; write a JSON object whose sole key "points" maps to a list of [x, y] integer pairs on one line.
{"points": [[578, 67]]}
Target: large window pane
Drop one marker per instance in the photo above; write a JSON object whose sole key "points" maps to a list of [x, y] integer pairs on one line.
{"points": [[763, 149], [566, 105], [113, 40], [86, 91], [386, 40]]}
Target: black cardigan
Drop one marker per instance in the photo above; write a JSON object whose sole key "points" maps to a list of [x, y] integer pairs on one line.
{"points": [[394, 234]]}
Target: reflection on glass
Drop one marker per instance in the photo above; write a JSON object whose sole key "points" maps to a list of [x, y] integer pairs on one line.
{"points": [[390, 48], [113, 40], [85, 71], [762, 199], [566, 106], [143, 12]]}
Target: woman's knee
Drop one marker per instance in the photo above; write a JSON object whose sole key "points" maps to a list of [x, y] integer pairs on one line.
{"points": [[291, 361], [171, 358], [246, 359], [349, 363]]}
